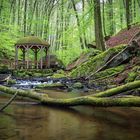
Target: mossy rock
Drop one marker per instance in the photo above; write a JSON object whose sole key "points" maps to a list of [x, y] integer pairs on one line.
{"points": [[59, 74], [109, 72], [51, 86], [11, 81], [94, 63], [77, 85]]}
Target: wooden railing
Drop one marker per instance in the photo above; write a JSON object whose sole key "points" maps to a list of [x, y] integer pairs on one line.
{"points": [[11, 64]]}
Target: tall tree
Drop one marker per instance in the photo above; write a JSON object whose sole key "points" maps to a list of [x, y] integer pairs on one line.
{"points": [[103, 16], [98, 26], [111, 17], [25, 16], [128, 13], [78, 23]]}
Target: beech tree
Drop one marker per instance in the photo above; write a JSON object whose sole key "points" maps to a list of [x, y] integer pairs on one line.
{"points": [[98, 26]]}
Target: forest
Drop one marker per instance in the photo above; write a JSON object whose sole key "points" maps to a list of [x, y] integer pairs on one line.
{"points": [[68, 25], [69, 68]]}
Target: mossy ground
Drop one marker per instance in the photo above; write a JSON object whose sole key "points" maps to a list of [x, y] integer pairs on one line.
{"points": [[109, 72], [32, 73]]}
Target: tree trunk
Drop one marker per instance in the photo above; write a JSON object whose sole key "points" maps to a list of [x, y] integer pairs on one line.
{"points": [[110, 17], [98, 26], [119, 89], [103, 16], [78, 24], [128, 13], [25, 16]]}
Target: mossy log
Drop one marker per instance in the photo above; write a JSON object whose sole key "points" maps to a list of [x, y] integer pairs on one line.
{"points": [[84, 100], [119, 89]]}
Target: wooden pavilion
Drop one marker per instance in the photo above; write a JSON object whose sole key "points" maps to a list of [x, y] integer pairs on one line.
{"points": [[37, 45]]}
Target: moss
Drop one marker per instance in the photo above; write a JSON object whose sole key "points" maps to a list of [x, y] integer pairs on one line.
{"points": [[95, 62], [11, 81], [109, 72], [119, 89], [133, 75], [77, 85], [32, 73], [32, 40], [59, 74]]}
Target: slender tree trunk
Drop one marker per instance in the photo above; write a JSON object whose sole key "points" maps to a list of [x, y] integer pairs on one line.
{"points": [[128, 13], [121, 14], [32, 16], [134, 10], [98, 26], [104, 27], [19, 7], [25, 17], [84, 32], [78, 23], [111, 17]]}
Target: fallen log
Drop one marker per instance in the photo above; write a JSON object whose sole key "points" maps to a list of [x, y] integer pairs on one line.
{"points": [[119, 89], [94, 100]]}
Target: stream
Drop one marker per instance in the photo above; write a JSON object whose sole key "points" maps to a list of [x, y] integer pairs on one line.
{"points": [[28, 120]]}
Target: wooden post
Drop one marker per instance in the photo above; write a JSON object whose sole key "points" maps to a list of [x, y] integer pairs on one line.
{"points": [[16, 57], [27, 57], [23, 58], [41, 60], [36, 65], [46, 61]]}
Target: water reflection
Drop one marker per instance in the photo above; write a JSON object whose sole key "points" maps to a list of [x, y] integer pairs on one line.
{"points": [[35, 122]]}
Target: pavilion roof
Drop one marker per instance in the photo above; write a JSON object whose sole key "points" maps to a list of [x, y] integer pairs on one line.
{"points": [[32, 40]]}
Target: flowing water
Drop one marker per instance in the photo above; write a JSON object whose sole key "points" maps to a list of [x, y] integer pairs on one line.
{"points": [[24, 120]]}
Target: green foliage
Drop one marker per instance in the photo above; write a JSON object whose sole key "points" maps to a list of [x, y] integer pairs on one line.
{"points": [[8, 37], [57, 22]]}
